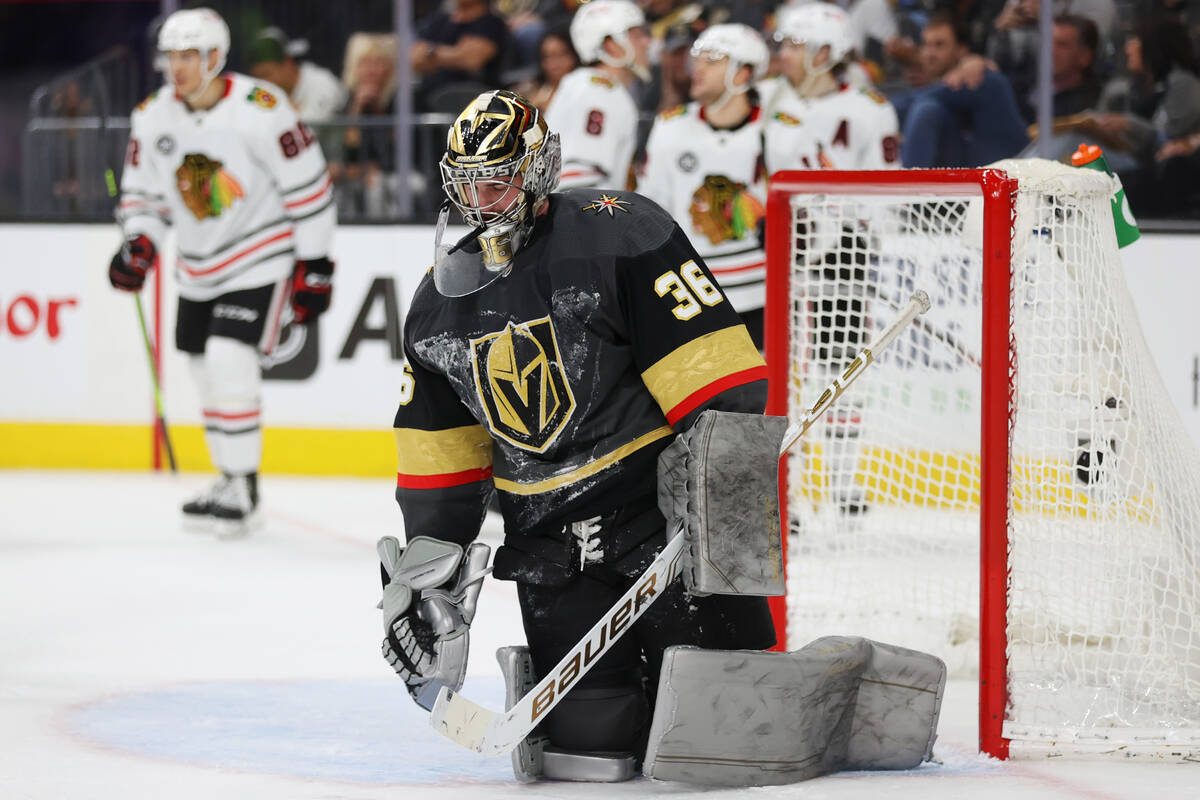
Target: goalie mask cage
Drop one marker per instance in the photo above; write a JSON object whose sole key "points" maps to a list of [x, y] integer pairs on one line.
{"points": [[1008, 486]]}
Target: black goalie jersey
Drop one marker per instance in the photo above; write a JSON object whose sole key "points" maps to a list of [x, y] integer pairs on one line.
{"points": [[561, 383]]}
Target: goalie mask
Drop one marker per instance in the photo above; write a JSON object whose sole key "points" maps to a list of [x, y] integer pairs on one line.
{"points": [[500, 165]]}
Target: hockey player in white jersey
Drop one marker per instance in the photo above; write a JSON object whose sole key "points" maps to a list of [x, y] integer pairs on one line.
{"points": [[593, 110], [224, 161], [817, 117], [704, 165]]}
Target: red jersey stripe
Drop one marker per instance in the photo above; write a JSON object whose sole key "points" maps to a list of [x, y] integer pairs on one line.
{"points": [[724, 270], [196, 273], [443, 481], [696, 398], [317, 194]]}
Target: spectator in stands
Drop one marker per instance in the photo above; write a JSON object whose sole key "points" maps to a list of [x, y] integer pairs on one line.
{"points": [[675, 71], [1163, 116], [1076, 85], [962, 117], [458, 55], [316, 92], [365, 174], [1013, 48], [556, 57]]}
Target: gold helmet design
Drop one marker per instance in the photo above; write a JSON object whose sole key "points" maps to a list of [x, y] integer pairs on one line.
{"points": [[500, 137]]}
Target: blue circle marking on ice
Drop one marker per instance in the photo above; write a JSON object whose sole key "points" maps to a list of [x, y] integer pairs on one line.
{"points": [[361, 731]]}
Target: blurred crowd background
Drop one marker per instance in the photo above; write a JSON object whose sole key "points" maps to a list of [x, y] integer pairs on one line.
{"points": [[1125, 74]]}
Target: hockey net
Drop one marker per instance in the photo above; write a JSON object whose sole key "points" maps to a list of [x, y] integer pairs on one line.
{"points": [[1014, 450]]}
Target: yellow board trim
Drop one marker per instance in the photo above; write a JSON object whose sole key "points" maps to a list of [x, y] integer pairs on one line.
{"points": [[286, 451], [949, 481], [586, 471], [421, 452], [689, 368]]}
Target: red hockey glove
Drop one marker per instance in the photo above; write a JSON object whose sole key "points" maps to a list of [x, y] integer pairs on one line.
{"points": [[129, 266], [311, 286]]}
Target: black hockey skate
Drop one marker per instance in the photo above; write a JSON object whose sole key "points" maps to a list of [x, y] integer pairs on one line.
{"points": [[235, 508], [197, 512]]}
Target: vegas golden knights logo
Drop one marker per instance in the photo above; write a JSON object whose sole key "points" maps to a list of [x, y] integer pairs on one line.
{"points": [[520, 380]]}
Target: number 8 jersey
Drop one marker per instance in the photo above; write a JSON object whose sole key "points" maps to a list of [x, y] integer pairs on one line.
{"points": [[561, 382], [244, 185]]}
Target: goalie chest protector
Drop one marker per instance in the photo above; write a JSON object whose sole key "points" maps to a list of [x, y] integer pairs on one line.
{"points": [[607, 331]]}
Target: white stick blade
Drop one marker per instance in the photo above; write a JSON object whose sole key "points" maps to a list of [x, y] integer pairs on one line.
{"points": [[460, 720]]}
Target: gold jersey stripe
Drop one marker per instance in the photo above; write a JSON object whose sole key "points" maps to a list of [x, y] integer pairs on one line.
{"points": [[689, 368], [587, 470], [421, 452]]}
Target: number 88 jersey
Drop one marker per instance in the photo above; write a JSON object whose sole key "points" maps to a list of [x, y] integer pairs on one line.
{"points": [[244, 184]]}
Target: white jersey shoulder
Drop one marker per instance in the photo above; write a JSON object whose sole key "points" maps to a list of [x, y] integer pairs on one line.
{"points": [[596, 120], [712, 182], [243, 184], [852, 128]]}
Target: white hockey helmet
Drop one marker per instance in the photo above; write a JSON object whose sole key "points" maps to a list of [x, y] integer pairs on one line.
{"points": [[741, 44], [600, 19], [815, 25], [196, 29]]}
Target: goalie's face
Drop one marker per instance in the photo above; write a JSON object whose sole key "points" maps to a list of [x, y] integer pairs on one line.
{"points": [[487, 201]]}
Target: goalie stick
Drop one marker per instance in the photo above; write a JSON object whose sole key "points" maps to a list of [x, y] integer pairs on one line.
{"points": [[477, 728]]}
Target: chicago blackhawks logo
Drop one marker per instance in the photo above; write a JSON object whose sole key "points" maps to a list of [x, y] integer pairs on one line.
{"points": [[520, 381], [206, 188], [722, 209]]}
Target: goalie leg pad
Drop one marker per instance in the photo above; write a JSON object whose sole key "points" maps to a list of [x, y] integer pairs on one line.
{"points": [[516, 665], [533, 759], [719, 481], [746, 718]]}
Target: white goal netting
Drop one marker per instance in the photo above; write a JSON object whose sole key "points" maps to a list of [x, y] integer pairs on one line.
{"points": [[1103, 607]]}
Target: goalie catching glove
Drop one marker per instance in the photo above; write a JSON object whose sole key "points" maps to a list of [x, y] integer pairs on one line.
{"points": [[430, 589]]}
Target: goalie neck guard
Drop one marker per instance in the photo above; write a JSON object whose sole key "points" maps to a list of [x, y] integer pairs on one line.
{"points": [[501, 164]]}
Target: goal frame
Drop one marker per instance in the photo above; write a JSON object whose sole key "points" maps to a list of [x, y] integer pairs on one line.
{"points": [[998, 192]]}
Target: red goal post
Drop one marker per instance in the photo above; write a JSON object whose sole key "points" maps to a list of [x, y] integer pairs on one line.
{"points": [[1015, 433]]}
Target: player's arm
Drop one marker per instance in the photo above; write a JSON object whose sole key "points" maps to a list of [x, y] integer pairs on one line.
{"points": [[883, 146], [693, 351], [655, 179], [598, 133], [443, 460], [293, 156], [142, 212]]}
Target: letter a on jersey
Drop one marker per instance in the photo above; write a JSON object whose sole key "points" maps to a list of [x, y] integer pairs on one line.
{"points": [[521, 384]]}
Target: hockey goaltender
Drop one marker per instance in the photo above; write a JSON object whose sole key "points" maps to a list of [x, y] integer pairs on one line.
{"points": [[573, 354]]}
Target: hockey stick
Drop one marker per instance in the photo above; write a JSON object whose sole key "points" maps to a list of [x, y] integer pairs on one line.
{"points": [[469, 724], [110, 183], [158, 403], [917, 305], [477, 728]]}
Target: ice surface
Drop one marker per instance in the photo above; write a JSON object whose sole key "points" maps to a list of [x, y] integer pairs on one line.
{"points": [[141, 661]]}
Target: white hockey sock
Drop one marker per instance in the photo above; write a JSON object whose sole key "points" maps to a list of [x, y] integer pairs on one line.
{"points": [[232, 411]]}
